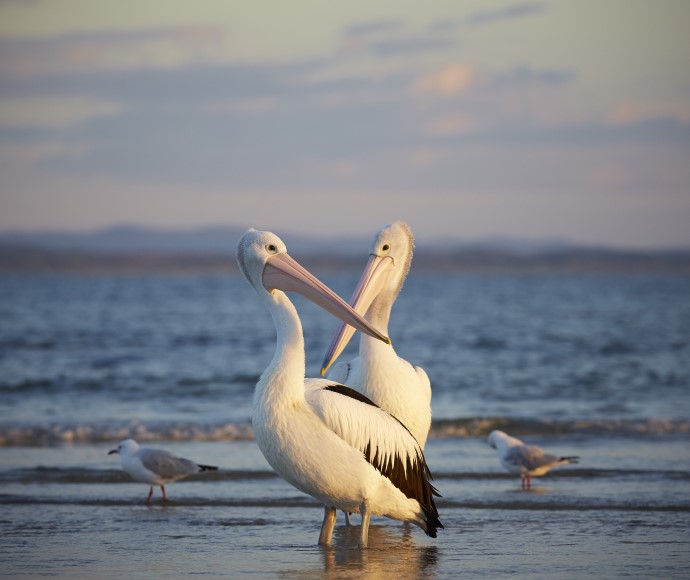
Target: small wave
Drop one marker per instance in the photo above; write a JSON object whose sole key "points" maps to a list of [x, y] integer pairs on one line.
{"points": [[89, 433], [284, 502], [56, 434], [299, 502], [482, 426], [572, 473], [560, 506], [25, 343], [81, 475]]}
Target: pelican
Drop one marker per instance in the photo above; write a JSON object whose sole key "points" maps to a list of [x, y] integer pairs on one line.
{"points": [[527, 460], [155, 466], [378, 372], [325, 439]]}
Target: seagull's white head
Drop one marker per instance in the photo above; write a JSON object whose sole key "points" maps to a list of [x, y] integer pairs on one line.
{"points": [[390, 258], [495, 437], [265, 263], [126, 447]]}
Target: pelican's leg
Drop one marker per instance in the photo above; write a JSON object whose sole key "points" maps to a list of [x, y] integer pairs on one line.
{"points": [[165, 497], [364, 534], [148, 499], [522, 480], [348, 523], [529, 481], [327, 526]]}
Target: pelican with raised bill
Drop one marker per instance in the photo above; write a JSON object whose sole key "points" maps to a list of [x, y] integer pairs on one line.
{"points": [[328, 440], [527, 460], [378, 372]]}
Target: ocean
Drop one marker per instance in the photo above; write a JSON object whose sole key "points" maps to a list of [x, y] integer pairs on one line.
{"points": [[590, 365]]}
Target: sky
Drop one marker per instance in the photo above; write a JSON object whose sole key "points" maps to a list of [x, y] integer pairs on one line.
{"points": [[557, 119]]}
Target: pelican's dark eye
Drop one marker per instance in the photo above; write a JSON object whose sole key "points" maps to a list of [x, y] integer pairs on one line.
{"points": [[271, 248], [385, 247]]}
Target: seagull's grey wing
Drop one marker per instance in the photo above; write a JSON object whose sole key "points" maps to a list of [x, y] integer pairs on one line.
{"points": [[529, 456], [165, 464]]}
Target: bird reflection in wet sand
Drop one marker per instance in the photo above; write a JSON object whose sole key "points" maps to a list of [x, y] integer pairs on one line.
{"points": [[389, 555]]}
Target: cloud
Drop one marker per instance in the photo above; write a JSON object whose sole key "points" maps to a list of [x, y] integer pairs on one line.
{"points": [[508, 13], [425, 157], [132, 50], [411, 45], [527, 75], [444, 26], [340, 169], [372, 28], [26, 155], [449, 81], [250, 106], [388, 38], [631, 114], [451, 125], [54, 112]]}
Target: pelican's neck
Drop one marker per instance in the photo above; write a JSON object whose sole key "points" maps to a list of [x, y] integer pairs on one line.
{"points": [[283, 380], [378, 314]]}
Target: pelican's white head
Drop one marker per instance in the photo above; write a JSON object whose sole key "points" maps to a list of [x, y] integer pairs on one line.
{"points": [[254, 250], [390, 258], [265, 263], [126, 447], [394, 246]]}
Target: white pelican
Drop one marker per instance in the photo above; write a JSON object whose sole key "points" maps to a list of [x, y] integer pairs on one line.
{"points": [[527, 460], [155, 466], [328, 440], [378, 372]]}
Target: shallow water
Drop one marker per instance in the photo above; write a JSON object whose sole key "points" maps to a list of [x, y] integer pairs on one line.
{"points": [[595, 366], [70, 511]]}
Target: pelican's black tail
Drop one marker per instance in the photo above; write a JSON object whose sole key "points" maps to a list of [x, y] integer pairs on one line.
{"points": [[432, 522], [571, 459]]}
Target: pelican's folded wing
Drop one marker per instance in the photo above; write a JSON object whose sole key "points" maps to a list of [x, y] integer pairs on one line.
{"points": [[383, 440]]}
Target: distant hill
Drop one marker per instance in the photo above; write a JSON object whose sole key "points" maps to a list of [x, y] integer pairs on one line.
{"points": [[128, 239], [211, 249]]}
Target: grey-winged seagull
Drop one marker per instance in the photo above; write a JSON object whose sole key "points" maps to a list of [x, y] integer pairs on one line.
{"points": [[527, 460], [155, 466]]}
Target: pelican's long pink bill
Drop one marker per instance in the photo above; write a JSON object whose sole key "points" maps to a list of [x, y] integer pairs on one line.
{"points": [[283, 273], [370, 284]]}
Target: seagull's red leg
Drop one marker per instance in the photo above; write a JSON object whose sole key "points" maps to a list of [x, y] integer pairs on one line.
{"points": [[529, 481], [148, 499], [165, 497], [522, 480]]}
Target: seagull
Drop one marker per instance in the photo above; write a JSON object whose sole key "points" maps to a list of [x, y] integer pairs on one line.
{"points": [[528, 460], [155, 466], [326, 439], [378, 372]]}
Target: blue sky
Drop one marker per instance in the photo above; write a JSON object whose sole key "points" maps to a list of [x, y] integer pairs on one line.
{"points": [[561, 119]]}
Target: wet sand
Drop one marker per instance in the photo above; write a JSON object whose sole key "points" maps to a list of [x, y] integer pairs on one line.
{"points": [[85, 520], [135, 541]]}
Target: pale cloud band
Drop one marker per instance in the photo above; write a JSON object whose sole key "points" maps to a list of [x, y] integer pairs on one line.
{"points": [[428, 114]]}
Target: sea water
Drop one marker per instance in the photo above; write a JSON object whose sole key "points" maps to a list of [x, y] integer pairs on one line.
{"points": [[590, 365]]}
